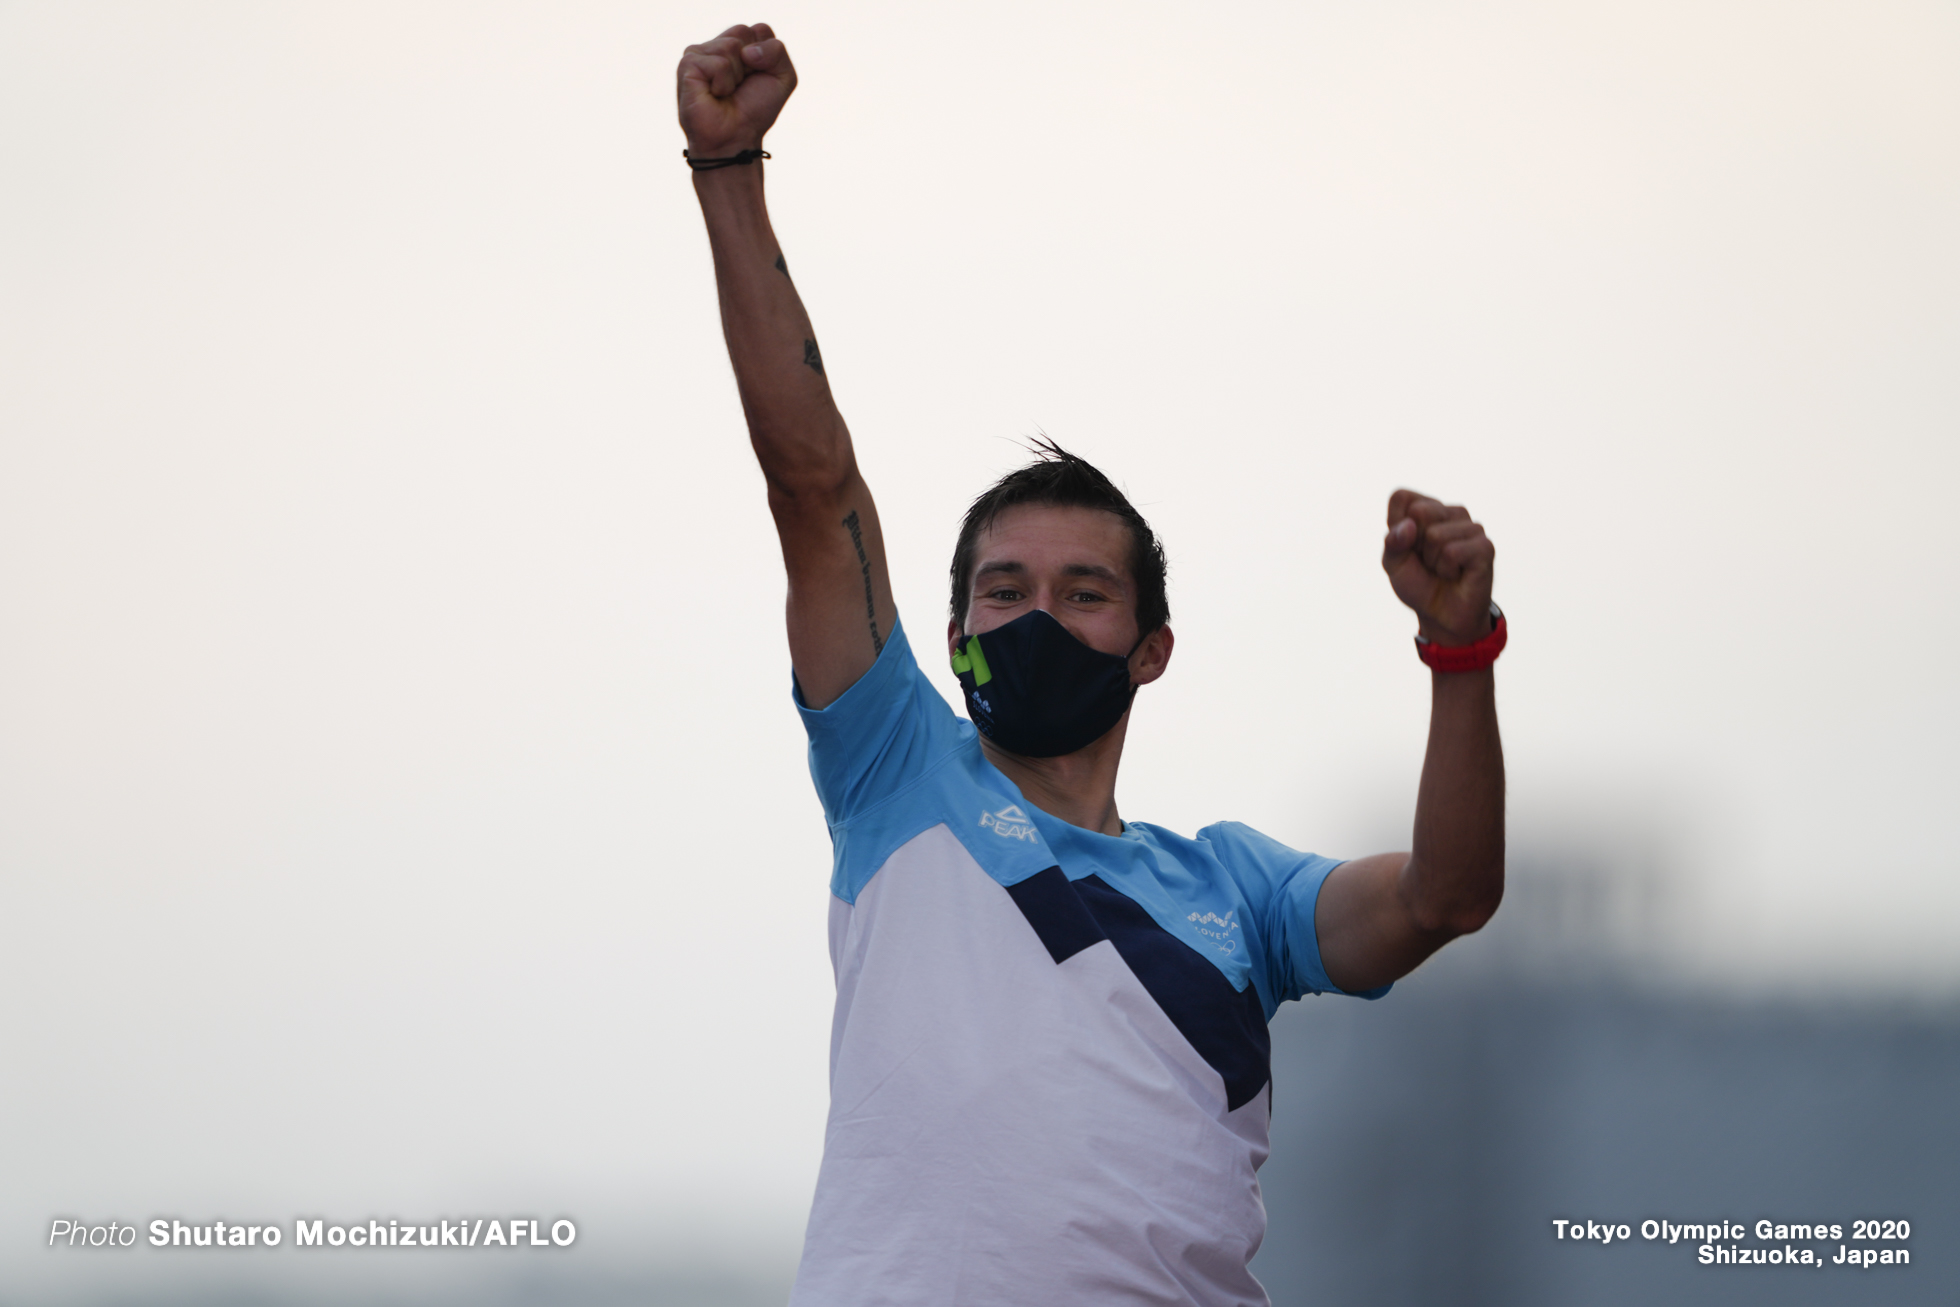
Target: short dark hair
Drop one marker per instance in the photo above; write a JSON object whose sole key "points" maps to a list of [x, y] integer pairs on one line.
{"points": [[1059, 478]]}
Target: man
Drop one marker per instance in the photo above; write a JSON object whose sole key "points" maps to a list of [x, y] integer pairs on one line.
{"points": [[1049, 1056]]}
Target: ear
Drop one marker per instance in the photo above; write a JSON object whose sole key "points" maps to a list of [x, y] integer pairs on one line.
{"points": [[1152, 656], [952, 637]]}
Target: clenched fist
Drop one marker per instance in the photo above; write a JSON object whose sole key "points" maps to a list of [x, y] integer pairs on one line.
{"points": [[731, 90], [1439, 562]]}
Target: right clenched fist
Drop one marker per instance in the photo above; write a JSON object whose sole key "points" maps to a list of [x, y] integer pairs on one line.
{"points": [[731, 90]]}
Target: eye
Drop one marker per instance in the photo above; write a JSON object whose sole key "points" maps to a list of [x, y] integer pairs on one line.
{"points": [[1085, 597], [1006, 595]]}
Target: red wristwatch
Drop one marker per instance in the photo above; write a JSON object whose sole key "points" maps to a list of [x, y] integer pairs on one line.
{"points": [[1466, 657]]}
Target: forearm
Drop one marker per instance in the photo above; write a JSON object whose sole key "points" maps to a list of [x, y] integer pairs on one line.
{"points": [[799, 436], [1454, 877]]}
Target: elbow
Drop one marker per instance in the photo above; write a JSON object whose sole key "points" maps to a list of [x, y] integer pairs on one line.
{"points": [[810, 487], [804, 467], [1465, 908], [1469, 918]]}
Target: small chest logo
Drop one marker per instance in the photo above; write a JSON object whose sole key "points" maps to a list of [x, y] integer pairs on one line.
{"points": [[1011, 823], [1219, 930]]}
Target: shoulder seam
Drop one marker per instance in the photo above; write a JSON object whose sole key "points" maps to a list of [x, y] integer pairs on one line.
{"points": [[924, 775]]}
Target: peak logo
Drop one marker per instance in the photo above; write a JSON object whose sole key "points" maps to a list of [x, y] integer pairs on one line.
{"points": [[1011, 823]]}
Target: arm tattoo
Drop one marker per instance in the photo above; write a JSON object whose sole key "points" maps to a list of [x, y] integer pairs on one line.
{"points": [[864, 566], [812, 359], [781, 266]]}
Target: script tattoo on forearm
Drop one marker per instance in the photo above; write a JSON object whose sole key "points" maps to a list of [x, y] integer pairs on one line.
{"points": [[812, 359], [864, 567]]}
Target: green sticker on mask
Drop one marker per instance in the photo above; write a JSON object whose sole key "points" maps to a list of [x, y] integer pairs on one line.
{"points": [[972, 660]]}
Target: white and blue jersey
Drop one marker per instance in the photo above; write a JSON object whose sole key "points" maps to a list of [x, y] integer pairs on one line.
{"points": [[1049, 1061]]}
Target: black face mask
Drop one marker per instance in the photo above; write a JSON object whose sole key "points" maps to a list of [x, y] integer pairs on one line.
{"points": [[1034, 689]]}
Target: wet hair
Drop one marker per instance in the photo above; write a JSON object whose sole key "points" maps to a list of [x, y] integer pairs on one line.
{"points": [[1059, 478]]}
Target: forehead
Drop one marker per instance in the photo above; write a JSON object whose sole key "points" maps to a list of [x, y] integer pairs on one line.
{"points": [[1051, 536]]}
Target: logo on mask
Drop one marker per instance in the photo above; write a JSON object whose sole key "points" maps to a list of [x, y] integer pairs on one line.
{"points": [[1011, 823]]}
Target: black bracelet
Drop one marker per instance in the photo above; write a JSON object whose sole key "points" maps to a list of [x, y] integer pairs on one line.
{"points": [[734, 160]]}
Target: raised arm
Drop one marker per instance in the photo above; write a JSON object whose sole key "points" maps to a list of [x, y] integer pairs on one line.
{"points": [[840, 597], [1378, 917]]}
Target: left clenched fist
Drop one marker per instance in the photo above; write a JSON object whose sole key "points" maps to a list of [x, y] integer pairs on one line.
{"points": [[1439, 562]]}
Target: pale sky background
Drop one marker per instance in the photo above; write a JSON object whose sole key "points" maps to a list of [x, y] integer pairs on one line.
{"points": [[401, 809]]}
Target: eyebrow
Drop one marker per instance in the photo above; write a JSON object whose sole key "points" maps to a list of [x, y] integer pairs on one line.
{"points": [[1008, 567]]}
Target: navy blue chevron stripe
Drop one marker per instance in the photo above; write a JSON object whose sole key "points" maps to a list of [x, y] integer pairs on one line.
{"points": [[1227, 1027]]}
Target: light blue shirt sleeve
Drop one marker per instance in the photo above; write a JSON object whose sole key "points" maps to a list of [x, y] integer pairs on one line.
{"points": [[1281, 886], [880, 736]]}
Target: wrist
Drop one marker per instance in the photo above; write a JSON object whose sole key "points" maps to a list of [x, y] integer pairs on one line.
{"points": [[1466, 656], [1446, 637], [722, 149], [717, 187]]}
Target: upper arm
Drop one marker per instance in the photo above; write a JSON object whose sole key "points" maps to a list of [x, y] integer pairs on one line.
{"points": [[1369, 934], [840, 607]]}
